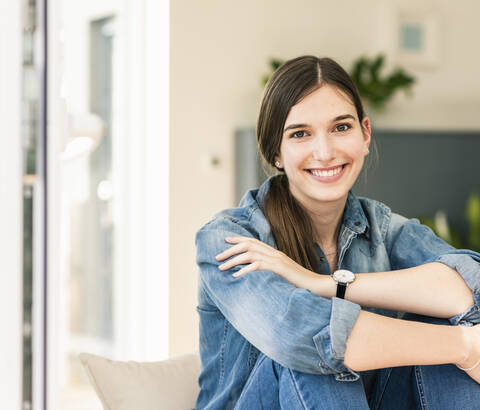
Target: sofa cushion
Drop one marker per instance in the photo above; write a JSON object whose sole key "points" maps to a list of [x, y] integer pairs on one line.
{"points": [[127, 385]]}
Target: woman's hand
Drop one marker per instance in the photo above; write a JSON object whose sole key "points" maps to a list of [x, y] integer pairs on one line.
{"points": [[260, 256], [471, 364]]}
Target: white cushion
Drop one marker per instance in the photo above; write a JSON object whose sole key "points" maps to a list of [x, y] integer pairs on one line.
{"points": [[169, 384]]}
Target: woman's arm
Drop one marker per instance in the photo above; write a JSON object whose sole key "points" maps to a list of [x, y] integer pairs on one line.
{"points": [[375, 341], [433, 289], [378, 341], [414, 250]]}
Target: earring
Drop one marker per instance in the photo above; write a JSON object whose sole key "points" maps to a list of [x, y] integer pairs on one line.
{"points": [[277, 164], [366, 150]]}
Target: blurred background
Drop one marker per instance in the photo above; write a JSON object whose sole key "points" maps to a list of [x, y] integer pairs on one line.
{"points": [[127, 124]]}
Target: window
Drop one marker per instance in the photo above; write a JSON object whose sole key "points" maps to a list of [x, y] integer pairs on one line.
{"points": [[105, 274]]}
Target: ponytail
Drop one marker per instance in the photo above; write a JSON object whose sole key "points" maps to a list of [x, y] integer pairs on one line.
{"points": [[290, 224]]}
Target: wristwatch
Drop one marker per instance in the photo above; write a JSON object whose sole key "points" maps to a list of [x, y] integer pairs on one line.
{"points": [[343, 278]]}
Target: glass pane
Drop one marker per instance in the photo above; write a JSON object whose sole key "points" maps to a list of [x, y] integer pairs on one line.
{"points": [[99, 301], [86, 221], [90, 212]]}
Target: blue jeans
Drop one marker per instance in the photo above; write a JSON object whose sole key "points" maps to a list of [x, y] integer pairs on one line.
{"points": [[438, 387]]}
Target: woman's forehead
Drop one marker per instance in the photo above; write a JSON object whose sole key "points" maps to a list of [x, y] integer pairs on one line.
{"points": [[325, 103]]}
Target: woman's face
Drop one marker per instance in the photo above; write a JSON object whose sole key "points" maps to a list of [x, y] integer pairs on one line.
{"points": [[323, 147]]}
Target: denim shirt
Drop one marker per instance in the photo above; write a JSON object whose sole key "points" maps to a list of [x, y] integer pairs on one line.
{"points": [[262, 312]]}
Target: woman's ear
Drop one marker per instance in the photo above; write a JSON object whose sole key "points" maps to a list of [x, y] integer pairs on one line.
{"points": [[367, 131], [278, 162]]}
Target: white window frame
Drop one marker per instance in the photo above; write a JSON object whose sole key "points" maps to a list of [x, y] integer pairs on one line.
{"points": [[11, 292]]}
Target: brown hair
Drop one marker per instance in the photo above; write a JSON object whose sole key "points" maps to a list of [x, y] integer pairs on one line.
{"points": [[291, 225]]}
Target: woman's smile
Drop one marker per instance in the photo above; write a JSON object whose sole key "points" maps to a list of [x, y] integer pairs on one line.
{"points": [[331, 174]]}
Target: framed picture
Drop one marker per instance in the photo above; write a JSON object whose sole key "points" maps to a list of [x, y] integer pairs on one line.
{"points": [[415, 39]]}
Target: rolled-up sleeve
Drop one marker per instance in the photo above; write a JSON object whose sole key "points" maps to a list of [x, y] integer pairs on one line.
{"points": [[332, 338], [467, 264], [413, 244], [293, 326]]}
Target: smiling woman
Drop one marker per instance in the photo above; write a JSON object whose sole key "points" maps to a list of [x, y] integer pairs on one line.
{"points": [[302, 284], [328, 150]]}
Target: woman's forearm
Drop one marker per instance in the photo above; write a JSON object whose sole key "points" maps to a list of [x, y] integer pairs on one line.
{"points": [[433, 289], [378, 341]]}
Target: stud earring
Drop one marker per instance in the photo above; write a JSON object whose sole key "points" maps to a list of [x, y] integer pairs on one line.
{"points": [[277, 164]]}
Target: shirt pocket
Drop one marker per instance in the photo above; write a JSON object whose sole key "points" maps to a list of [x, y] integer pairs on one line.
{"points": [[366, 247]]}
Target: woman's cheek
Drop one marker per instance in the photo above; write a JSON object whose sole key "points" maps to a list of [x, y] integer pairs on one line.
{"points": [[358, 151]]}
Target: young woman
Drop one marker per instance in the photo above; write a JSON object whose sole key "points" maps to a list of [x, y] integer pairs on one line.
{"points": [[302, 286]]}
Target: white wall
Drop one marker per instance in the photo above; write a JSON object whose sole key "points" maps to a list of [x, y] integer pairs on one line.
{"points": [[10, 207], [219, 52]]}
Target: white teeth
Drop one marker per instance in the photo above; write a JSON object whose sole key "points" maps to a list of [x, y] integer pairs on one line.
{"points": [[329, 173]]}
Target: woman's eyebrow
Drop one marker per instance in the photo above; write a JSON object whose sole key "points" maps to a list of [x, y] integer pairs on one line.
{"points": [[293, 126], [338, 118], [344, 117]]}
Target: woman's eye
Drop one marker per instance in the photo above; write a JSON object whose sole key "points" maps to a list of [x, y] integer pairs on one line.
{"points": [[343, 127], [298, 134]]}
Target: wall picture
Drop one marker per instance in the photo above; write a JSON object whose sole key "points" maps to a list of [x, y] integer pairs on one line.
{"points": [[416, 39]]}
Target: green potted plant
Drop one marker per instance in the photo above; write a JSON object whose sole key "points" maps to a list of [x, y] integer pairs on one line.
{"points": [[376, 90]]}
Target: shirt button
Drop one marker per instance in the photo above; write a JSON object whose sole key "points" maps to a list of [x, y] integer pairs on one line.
{"points": [[357, 223]]}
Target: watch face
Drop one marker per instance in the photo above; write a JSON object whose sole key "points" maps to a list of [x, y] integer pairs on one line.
{"points": [[344, 276]]}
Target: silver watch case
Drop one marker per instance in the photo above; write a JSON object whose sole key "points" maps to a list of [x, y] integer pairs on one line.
{"points": [[343, 276]]}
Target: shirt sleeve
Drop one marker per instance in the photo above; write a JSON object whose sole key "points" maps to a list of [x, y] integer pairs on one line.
{"points": [[412, 244], [296, 328]]}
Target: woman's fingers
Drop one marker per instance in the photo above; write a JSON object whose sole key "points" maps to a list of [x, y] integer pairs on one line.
{"points": [[237, 260], [247, 269], [257, 255], [249, 251], [233, 250], [243, 244]]}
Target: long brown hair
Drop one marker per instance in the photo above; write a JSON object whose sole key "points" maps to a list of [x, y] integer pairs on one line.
{"points": [[291, 225]]}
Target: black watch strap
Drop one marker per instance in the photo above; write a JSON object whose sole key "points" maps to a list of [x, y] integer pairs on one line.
{"points": [[341, 288]]}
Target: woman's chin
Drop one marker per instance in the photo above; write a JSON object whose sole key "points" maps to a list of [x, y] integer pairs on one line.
{"points": [[329, 196], [317, 194]]}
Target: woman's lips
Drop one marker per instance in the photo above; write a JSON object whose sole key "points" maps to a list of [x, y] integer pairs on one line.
{"points": [[328, 178]]}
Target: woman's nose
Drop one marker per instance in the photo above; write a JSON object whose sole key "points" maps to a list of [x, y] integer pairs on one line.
{"points": [[323, 150]]}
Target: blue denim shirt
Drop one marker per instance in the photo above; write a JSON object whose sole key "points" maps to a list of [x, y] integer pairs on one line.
{"points": [[301, 330]]}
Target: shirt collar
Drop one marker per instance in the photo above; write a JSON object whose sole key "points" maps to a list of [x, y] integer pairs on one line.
{"points": [[354, 216], [262, 192]]}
